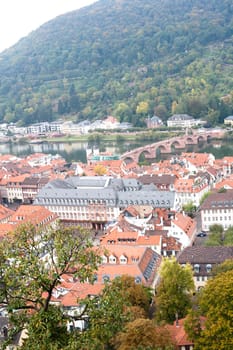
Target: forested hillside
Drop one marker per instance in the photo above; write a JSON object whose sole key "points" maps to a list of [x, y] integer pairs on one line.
{"points": [[127, 58]]}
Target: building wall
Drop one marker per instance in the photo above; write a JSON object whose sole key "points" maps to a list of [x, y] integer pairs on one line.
{"points": [[223, 216]]}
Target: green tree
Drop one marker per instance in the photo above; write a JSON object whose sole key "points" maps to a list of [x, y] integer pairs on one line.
{"points": [[205, 195], [122, 111], [217, 304], [219, 237], [174, 291], [161, 111], [32, 263], [193, 324], [227, 265], [189, 208]]}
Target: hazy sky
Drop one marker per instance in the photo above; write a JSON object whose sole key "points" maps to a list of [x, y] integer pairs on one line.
{"points": [[19, 17]]}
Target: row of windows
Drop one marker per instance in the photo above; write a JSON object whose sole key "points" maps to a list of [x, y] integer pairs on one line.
{"points": [[70, 201], [106, 202], [106, 278], [202, 278], [113, 260], [216, 211], [78, 210], [144, 202], [208, 267], [217, 218]]}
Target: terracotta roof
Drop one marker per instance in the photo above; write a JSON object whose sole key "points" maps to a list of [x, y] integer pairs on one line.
{"points": [[6, 228], [116, 237], [76, 291], [185, 223], [226, 183], [33, 214], [5, 212], [189, 185], [129, 251], [147, 240], [170, 244], [198, 159], [178, 333], [17, 179]]}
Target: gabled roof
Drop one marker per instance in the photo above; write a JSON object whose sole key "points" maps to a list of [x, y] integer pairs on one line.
{"points": [[218, 200], [178, 333], [33, 214], [159, 179], [204, 255], [185, 223], [119, 237], [5, 212], [170, 243], [198, 159], [141, 262]]}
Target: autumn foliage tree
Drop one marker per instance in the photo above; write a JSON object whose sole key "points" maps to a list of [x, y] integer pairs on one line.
{"points": [[216, 303], [144, 334]]}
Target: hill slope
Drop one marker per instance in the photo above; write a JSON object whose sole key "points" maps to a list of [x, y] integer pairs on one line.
{"points": [[123, 57]]}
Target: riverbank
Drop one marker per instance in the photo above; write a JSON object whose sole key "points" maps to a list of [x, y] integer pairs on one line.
{"points": [[97, 137]]}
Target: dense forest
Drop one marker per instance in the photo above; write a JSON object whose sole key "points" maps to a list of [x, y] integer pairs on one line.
{"points": [[124, 58]]}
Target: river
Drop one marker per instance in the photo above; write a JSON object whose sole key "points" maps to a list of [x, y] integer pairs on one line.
{"points": [[76, 151]]}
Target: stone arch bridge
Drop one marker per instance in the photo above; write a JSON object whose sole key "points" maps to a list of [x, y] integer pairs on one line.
{"points": [[167, 146]]}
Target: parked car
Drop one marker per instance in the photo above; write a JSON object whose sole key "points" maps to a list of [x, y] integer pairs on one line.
{"points": [[202, 234]]}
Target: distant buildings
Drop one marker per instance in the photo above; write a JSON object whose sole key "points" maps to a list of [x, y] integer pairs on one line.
{"points": [[217, 209], [229, 120], [71, 128], [203, 260], [94, 201], [153, 122], [182, 121]]}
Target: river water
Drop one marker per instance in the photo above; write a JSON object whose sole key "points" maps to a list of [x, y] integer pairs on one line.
{"points": [[76, 151]]}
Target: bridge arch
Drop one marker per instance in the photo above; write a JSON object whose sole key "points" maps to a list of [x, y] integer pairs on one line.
{"points": [[160, 149], [128, 160], [201, 138], [190, 140], [142, 156], [175, 144]]}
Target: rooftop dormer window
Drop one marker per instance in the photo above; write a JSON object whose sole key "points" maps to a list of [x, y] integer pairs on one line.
{"points": [[208, 268], [196, 268]]}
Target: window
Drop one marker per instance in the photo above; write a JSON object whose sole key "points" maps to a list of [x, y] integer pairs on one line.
{"points": [[106, 278], [112, 259], [196, 268], [123, 260], [208, 268], [138, 280]]}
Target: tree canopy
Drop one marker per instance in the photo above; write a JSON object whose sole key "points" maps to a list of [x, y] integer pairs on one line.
{"points": [[32, 263], [130, 58], [174, 291], [120, 302], [216, 304], [219, 237]]}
